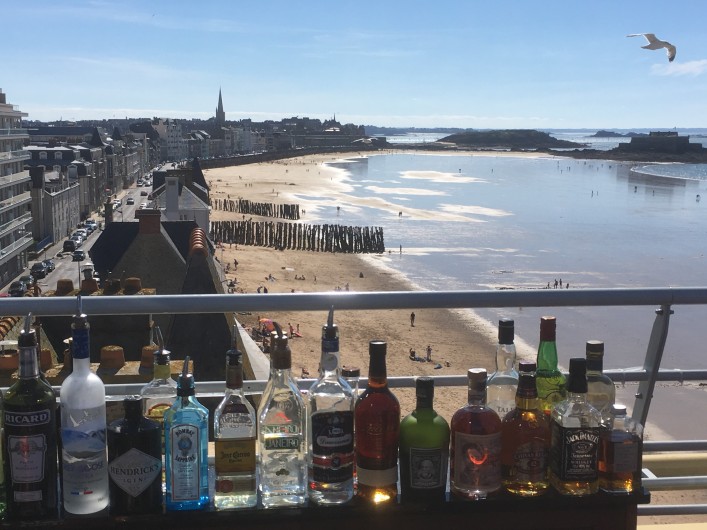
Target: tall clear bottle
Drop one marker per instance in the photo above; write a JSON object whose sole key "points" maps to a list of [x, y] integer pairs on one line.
{"points": [[377, 421], [29, 437], [186, 430], [475, 461], [282, 432], [330, 404], [424, 449], [503, 383], [525, 440], [83, 429], [601, 392], [575, 437], [235, 433], [549, 380]]}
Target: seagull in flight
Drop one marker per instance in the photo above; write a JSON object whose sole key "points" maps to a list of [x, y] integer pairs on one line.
{"points": [[655, 43]]}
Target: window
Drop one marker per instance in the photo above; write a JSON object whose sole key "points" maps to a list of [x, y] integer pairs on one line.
{"points": [[42, 155], [57, 155]]}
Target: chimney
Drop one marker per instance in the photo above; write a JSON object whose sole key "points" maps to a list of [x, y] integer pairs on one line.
{"points": [[108, 211], [172, 195], [149, 221]]}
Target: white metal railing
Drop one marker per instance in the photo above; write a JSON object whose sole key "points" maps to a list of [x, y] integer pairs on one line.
{"points": [[15, 155], [661, 298], [15, 223], [14, 132]]}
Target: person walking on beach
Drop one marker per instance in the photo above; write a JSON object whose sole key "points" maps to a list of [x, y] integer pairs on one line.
{"points": [[412, 319], [429, 353]]}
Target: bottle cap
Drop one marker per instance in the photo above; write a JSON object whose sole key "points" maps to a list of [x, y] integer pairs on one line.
{"points": [[506, 331], [477, 379], [577, 381], [161, 354], [234, 356], [618, 410], [351, 371], [595, 348], [548, 327], [377, 347], [28, 337], [132, 405], [185, 384], [424, 388], [526, 366], [280, 353], [330, 331]]}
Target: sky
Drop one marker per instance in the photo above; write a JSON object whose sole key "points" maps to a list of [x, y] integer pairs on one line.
{"points": [[490, 64]]}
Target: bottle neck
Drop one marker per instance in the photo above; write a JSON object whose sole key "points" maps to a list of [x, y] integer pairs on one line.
{"points": [[377, 372], [477, 397], [234, 378], [424, 403], [329, 361], [505, 357], [161, 372], [595, 365], [80, 350], [28, 363], [547, 355], [527, 392]]}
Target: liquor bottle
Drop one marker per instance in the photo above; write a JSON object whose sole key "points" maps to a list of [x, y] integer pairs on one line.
{"points": [[84, 467], [424, 449], [377, 422], [601, 392], [29, 438], [548, 378], [620, 453], [159, 394], [575, 437], [186, 432], [330, 403], [235, 432], [502, 385], [134, 462], [475, 462], [525, 440], [282, 432]]}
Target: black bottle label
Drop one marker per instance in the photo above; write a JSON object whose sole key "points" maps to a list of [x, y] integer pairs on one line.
{"points": [[426, 468], [332, 446], [134, 471], [574, 453]]}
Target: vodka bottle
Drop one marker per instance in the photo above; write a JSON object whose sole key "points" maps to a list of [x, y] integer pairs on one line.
{"points": [[330, 410], [424, 449], [620, 453], [29, 437], [83, 429], [282, 432], [186, 428], [575, 437], [502, 384], [548, 379], [601, 392], [135, 462], [235, 432], [476, 444], [525, 440], [377, 421]]}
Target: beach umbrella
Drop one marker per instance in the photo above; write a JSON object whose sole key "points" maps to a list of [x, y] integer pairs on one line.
{"points": [[268, 323]]}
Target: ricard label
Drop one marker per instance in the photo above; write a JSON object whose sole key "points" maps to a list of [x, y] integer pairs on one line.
{"points": [[27, 454], [134, 471]]}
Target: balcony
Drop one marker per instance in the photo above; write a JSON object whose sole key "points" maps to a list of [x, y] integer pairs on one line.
{"points": [[15, 223], [660, 455], [14, 133], [11, 156]]}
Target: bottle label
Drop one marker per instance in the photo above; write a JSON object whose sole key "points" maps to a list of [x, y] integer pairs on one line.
{"points": [[185, 461], [377, 478], [282, 436], [235, 456], [530, 462], [332, 446], [27, 455], [134, 471], [573, 453], [84, 459], [426, 468], [625, 457], [477, 460]]}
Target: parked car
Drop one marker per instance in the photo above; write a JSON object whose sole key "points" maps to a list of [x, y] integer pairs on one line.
{"points": [[39, 269], [27, 279], [130, 201], [17, 288], [78, 255], [81, 232], [91, 222], [143, 193], [69, 245], [49, 263], [78, 240]]}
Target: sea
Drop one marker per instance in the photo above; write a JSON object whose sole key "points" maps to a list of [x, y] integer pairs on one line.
{"points": [[511, 222]]}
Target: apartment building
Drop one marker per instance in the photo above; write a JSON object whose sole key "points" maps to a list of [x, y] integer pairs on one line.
{"points": [[15, 200]]}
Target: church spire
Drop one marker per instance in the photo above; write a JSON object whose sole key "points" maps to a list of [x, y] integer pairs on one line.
{"points": [[220, 114]]}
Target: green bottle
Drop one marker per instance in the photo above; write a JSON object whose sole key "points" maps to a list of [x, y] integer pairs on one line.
{"points": [[548, 379], [424, 449]]}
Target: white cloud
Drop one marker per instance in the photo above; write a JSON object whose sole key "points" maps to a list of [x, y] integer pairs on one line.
{"points": [[693, 68]]}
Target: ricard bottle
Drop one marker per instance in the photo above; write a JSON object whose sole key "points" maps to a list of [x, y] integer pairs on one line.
{"points": [[574, 441], [282, 432], [377, 420], [330, 403], [549, 379], [620, 453], [424, 449], [475, 461], [186, 432], [134, 462], [29, 438], [502, 384], [235, 433], [601, 392], [84, 466], [525, 440]]}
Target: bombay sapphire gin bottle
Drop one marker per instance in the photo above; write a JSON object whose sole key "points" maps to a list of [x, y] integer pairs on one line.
{"points": [[282, 433], [186, 448], [83, 429]]}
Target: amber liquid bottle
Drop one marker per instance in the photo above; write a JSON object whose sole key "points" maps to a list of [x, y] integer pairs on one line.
{"points": [[525, 440], [377, 421], [475, 459]]}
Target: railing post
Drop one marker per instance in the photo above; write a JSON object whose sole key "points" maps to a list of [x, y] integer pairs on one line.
{"points": [[651, 364]]}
